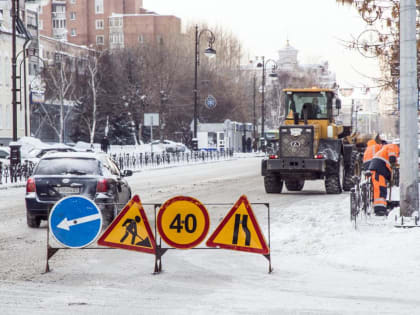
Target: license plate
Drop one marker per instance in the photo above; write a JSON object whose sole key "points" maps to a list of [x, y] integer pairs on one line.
{"points": [[68, 190]]}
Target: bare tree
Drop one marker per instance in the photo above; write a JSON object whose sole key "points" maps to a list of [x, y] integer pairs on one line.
{"points": [[93, 83], [60, 87]]}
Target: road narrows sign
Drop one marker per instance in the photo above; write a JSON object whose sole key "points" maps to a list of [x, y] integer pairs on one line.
{"points": [[239, 230], [183, 222], [75, 221], [130, 230]]}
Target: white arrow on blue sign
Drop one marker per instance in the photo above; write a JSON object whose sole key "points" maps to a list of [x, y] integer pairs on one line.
{"points": [[75, 221], [210, 102]]}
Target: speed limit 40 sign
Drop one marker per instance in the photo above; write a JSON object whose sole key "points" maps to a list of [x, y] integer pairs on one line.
{"points": [[183, 222]]}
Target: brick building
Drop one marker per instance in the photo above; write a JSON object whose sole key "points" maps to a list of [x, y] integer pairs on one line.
{"points": [[104, 23]]}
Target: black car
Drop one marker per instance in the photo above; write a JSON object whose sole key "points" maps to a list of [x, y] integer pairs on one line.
{"points": [[93, 175]]}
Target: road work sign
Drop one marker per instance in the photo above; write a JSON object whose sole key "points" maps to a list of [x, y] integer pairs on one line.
{"points": [[130, 230], [239, 230], [183, 222], [75, 221]]}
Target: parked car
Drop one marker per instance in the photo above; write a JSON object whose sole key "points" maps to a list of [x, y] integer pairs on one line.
{"points": [[36, 153], [4, 155], [93, 175], [171, 146]]}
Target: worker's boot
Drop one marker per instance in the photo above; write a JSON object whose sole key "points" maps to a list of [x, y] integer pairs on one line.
{"points": [[380, 211]]}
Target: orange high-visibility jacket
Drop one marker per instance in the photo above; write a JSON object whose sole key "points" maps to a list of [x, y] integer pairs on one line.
{"points": [[386, 152], [372, 148]]}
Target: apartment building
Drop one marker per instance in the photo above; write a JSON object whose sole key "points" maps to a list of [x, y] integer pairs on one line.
{"points": [[104, 23]]}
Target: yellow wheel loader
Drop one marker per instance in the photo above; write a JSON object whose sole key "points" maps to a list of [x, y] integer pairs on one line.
{"points": [[312, 145]]}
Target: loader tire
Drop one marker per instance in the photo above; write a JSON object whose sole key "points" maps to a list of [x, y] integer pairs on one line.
{"points": [[335, 180], [349, 172], [273, 184], [332, 184], [295, 185]]}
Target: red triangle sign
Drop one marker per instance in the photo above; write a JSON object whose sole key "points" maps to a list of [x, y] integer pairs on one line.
{"points": [[130, 230], [239, 230]]}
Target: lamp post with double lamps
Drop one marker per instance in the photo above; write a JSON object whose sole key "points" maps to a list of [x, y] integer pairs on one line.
{"points": [[273, 74], [209, 52]]}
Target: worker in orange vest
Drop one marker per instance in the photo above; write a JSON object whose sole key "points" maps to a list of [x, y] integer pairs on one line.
{"points": [[372, 147], [381, 167]]}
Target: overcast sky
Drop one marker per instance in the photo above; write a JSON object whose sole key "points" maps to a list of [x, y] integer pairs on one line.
{"points": [[313, 27]]}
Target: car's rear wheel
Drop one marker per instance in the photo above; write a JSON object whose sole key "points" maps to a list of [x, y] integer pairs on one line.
{"points": [[32, 221], [108, 215]]}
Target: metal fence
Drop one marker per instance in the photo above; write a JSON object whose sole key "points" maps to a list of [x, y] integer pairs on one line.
{"points": [[15, 173], [138, 161], [134, 161]]}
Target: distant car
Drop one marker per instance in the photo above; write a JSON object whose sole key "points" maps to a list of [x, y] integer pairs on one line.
{"points": [[35, 154], [171, 146], [93, 175], [4, 155]]}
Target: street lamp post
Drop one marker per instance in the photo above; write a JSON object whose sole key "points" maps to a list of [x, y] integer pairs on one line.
{"points": [[263, 65], [15, 7], [254, 120], [209, 52]]}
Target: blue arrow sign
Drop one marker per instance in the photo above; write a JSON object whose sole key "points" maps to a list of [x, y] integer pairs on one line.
{"points": [[75, 221], [210, 102]]}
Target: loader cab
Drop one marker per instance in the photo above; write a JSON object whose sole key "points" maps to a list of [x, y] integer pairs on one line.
{"points": [[318, 104], [314, 106]]}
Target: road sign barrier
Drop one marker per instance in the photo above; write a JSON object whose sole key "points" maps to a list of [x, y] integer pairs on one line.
{"points": [[130, 230], [183, 222], [75, 221], [239, 230]]}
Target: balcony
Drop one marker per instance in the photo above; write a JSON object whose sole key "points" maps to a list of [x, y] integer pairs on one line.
{"points": [[59, 15], [60, 33]]}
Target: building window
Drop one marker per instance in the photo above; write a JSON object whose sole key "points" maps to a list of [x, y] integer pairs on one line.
{"points": [[99, 24], [8, 114], [73, 32], [40, 24], [6, 72], [22, 118], [73, 1], [99, 6], [72, 15], [141, 39], [99, 40], [59, 9]]}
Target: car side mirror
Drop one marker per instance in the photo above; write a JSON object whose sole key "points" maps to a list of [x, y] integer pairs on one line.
{"points": [[127, 173], [338, 104]]}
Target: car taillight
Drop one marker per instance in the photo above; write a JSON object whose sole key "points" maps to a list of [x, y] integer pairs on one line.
{"points": [[272, 156], [30, 185], [319, 156], [102, 186]]}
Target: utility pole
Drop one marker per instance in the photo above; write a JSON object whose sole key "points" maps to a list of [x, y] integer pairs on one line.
{"points": [[409, 194]]}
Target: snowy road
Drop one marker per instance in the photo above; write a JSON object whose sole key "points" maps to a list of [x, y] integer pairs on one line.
{"points": [[321, 264]]}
